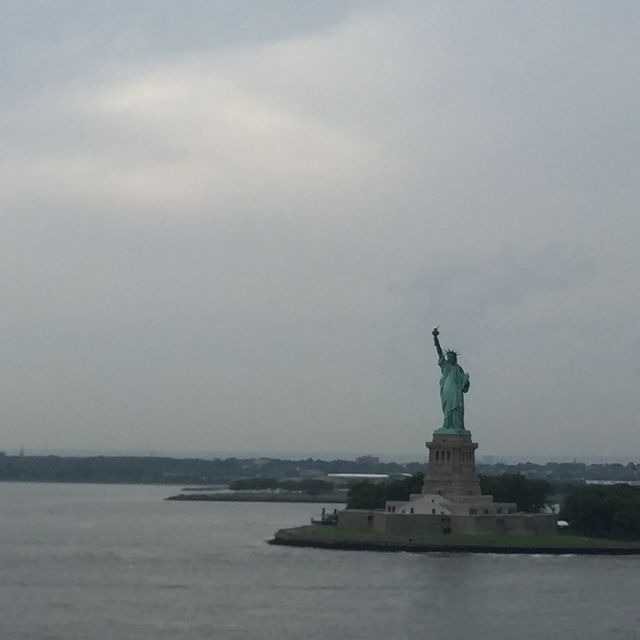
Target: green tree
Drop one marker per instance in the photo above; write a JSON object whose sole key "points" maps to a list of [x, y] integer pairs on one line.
{"points": [[367, 495], [529, 494], [604, 511]]}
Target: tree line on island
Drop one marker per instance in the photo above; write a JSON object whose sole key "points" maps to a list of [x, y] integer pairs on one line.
{"points": [[604, 511], [528, 494]]}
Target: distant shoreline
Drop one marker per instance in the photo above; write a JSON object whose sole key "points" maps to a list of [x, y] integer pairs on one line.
{"points": [[329, 537], [103, 469]]}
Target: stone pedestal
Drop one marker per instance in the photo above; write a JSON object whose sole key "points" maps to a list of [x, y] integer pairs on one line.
{"points": [[452, 466]]}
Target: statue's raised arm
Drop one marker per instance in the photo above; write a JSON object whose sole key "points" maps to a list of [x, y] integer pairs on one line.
{"points": [[435, 333]]}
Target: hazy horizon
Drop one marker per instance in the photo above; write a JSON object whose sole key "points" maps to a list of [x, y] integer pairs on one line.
{"points": [[232, 226], [401, 458]]}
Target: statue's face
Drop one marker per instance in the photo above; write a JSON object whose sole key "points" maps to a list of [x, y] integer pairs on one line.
{"points": [[451, 357]]}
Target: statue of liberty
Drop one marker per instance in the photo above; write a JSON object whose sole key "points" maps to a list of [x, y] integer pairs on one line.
{"points": [[454, 382]]}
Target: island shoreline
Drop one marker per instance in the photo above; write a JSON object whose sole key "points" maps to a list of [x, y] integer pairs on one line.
{"points": [[300, 537]]}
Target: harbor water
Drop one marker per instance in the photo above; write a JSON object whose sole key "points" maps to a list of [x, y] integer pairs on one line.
{"points": [[107, 561]]}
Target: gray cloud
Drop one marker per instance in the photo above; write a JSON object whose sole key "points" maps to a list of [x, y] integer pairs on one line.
{"points": [[233, 228]]}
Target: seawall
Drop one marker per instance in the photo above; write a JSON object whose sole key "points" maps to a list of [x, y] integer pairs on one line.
{"points": [[357, 541]]}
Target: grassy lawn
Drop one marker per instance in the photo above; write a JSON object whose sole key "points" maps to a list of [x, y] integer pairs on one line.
{"points": [[326, 532]]}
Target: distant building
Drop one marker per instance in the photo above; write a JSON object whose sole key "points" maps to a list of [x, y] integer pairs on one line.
{"points": [[373, 477]]}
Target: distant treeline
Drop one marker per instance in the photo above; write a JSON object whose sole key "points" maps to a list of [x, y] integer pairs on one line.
{"points": [[163, 470], [149, 469], [572, 473]]}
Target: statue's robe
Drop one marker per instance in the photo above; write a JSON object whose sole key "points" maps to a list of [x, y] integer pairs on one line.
{"points": [[453, 384]]}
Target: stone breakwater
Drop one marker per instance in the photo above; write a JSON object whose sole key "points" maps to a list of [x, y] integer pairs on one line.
{"points": [[314, 537], [256, 497]]}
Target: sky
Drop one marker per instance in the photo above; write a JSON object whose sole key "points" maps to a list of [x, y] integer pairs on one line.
{"points": [[231, 226]]}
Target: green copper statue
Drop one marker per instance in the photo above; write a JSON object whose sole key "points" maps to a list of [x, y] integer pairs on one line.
{"points": [[453, 384]]}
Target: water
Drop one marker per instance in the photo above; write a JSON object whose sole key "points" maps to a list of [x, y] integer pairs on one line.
{"points": [[103, 562]]}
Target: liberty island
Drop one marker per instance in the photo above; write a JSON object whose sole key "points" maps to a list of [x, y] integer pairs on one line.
{"points": [[450, 512], [451, 501]]}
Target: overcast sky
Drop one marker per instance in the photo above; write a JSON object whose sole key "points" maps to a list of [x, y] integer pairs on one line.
{"points": [[230, 226]]}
